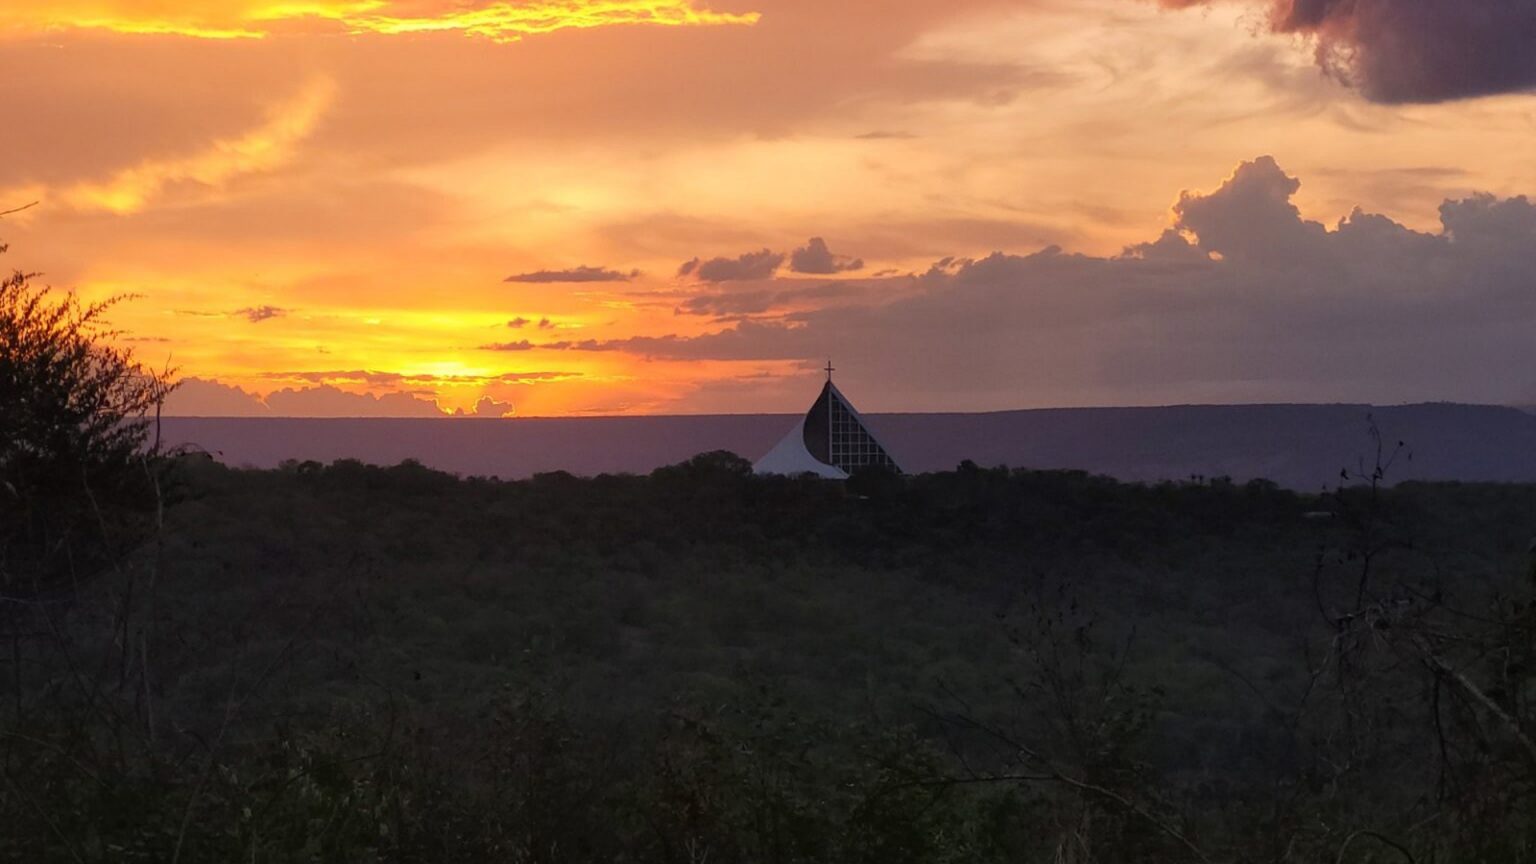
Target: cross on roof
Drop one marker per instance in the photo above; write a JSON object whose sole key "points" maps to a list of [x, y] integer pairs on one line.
{"points": [[830, 370]]}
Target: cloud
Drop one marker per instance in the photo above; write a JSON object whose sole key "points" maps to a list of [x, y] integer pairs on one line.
{"points": [[202, 398], [253, 314], [1251, 215], [253, 19], [1243, 300], [372, 378], [264, 148], [196, 397], [737, 303], [751, 265], [670, 347], [520, 322], [520, 345], [1398, 51], [488, 407], [328, 401], [403, 395], [258, 314], [575, 274], [815, 257]]}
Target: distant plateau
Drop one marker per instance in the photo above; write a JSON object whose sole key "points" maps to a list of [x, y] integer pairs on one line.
{"points": [[1304, 447]]}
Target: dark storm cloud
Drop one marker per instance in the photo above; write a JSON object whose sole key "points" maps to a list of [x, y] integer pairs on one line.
{"points": [[1243, 300], [751, 265], [816, 258], [1399, 51], [573, 275]]}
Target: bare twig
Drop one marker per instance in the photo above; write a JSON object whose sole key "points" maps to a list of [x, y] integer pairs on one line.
{"points": [[1380, 838]]}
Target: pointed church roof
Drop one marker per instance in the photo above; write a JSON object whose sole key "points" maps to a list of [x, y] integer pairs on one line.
{"points": [[831, 441]]}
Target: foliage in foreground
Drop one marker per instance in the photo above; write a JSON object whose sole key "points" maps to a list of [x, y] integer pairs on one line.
{"points": [[347, 663], [76, 475]]}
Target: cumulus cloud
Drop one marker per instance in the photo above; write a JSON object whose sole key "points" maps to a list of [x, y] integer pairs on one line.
{"points": [[816, 258], [1243, 300], [1251, 215], [1398, 51], [201, 398], [724, 304], [747, 340], [329, 401], [404, 396], [575, 274], [196, 397], [488, 407], [751, 265]]}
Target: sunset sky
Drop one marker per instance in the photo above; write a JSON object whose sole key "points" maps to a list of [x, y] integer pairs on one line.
{"points": [[342, 207]]}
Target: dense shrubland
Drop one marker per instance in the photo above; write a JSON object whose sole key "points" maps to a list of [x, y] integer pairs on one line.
{"points": [[355, 663]]}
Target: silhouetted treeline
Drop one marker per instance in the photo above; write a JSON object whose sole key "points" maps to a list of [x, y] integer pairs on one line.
{"points": [[355, 663]]}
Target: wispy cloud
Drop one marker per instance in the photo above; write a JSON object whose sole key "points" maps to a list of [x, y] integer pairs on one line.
{"points": [[255, 19], [375, 378], [574, 274], [258, 314], [253, 314], [264, 148]]}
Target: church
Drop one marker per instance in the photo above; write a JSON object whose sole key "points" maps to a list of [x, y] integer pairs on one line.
{"points": [[830, 441]]}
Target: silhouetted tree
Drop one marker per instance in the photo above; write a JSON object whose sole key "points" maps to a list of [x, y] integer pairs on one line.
{"points": [[75, 440]]}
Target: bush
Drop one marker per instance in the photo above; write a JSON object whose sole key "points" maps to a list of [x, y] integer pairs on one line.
{"points": [[76, 482]]}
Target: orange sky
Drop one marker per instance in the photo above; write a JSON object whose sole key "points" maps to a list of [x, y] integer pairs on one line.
{"points": [[334, 194]]}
